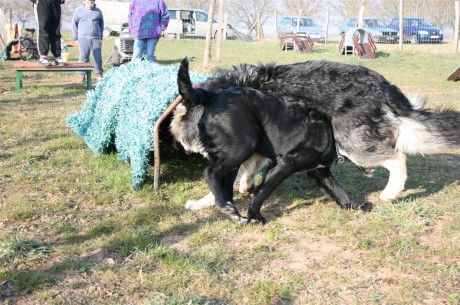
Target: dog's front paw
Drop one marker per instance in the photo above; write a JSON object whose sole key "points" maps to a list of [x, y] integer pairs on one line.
{"points": [[364, 206], [230, 210], [256, 218]]}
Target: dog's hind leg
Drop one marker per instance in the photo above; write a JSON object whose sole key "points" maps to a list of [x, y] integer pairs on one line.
{"points": [[327, 182], [275, 176], [398, 175], [248, 171]]}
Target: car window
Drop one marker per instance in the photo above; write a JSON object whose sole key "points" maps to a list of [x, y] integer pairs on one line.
{"points": [[172, 14], [306, 22], [414, 23], [352, 22], [202, 17], [285, 21], [423, 22], [379, 23]]}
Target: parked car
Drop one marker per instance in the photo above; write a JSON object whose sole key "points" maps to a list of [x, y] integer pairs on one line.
{"points": [[380, 32], [418, 30], [301, 25], [188, 22]]}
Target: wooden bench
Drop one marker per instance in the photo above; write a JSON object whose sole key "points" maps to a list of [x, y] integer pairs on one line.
{"points": [[455, 75], [34, 66]]}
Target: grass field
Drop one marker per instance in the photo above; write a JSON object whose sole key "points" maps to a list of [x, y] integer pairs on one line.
{"points": [[72, 231]]}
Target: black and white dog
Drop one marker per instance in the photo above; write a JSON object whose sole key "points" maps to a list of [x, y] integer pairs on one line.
{"points": [[240, 123], [374, 123]]}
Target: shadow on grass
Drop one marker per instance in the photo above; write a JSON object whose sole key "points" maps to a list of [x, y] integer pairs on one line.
{"points": [[123, 236], [428, 174], [115, 246]]}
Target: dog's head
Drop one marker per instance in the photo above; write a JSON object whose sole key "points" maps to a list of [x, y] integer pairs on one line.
{"points": [[184, 124], [184, 127]]}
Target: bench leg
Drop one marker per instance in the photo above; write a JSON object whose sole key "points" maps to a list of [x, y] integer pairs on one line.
{"points": [[18, 80], [88, 80]]}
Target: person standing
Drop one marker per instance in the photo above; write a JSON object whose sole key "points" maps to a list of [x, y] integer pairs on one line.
{"points": [[87, 27], [48, 15], [147, 19]]}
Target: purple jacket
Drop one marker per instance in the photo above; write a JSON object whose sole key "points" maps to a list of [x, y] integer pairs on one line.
{"points": [[147, 18]]}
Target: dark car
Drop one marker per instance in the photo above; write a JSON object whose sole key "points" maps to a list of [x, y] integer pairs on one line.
{"points": [[418, 30], [380, 32]]}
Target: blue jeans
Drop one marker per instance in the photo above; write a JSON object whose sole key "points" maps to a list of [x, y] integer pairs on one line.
{"points": [[86, 46], [149, 45]]}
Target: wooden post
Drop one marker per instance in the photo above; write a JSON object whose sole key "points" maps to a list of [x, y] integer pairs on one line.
{"points": [[179, 25], [219, 30], [327, 24], [457, 25], [207, 46]]}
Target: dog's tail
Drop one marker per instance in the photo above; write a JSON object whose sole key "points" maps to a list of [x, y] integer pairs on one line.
{"points": [[186, 90], [428, 131]]}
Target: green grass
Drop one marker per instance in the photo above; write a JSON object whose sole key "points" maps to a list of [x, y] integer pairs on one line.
{"points": [[73, 230]]}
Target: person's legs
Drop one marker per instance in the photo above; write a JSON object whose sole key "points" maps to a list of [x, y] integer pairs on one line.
{"points": [[55, 29], [139, 46], [42, 13], [96, 46], [84, 48], [150, 49]]}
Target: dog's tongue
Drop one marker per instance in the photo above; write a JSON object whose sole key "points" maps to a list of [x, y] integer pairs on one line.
{"points": [[369, 171]]}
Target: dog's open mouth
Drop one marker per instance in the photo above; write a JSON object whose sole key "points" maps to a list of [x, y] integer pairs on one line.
{"points": [[367, 171]]}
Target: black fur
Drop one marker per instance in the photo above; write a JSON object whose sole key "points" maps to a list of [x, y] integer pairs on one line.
{"points": [[374, 123], [238, 122]]}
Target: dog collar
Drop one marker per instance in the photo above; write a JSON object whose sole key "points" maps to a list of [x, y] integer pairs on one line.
{"points": [[340, 157]]}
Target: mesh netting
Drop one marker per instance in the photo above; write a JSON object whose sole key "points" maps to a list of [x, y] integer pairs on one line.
{"points": [[120, 113]]}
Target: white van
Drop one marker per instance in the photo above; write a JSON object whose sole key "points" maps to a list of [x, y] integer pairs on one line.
{"points": [[115, 14], [188, 23]]}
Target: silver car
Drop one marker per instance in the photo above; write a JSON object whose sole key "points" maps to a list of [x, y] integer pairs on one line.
{"points": [[189, 23], [301, 25]]}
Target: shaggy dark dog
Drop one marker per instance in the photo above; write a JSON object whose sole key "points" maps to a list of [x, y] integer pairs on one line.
{"points": [[239, 122], [374, 123]]}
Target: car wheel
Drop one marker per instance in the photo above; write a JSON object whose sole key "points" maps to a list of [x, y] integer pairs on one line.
{"points": [[413, 39], [106, 32]]}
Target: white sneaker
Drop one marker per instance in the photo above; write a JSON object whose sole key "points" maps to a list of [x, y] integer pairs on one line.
{"points": [[44, 61], [60, 62]]}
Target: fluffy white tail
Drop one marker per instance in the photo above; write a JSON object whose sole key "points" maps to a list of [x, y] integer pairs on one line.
{"points": [[427, 131]]}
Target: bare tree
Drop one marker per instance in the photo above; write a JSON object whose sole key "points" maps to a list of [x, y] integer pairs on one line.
{"points": [[198, 4], [248, 12], [308, 7], [350, 8], [21, 11]]}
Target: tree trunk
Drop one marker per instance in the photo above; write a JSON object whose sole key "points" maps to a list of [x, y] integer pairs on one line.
{"points": [[207, 46], [219, 30]]}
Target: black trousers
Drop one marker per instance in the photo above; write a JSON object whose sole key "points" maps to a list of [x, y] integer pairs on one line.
{"points": [[48, 13]]}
